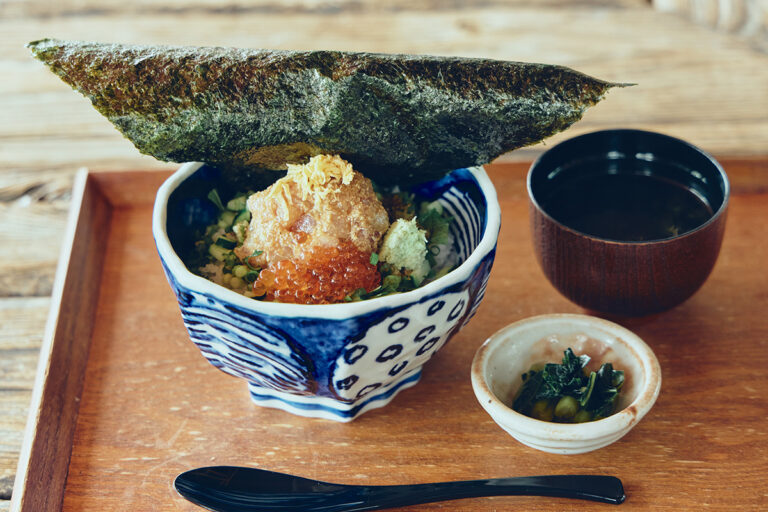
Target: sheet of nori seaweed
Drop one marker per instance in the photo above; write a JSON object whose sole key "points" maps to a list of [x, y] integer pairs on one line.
{"points": [[397, 118]]}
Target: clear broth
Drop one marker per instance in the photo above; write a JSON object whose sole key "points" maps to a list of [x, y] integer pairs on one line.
{"points": [[627, 207]]}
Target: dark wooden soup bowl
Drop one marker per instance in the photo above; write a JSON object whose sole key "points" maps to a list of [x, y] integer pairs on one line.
{"points": [[619, 277]]}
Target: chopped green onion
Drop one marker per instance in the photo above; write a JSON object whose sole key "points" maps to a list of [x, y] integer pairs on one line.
{"points": [[243, 216], [230, 260], [253, 255], [236, 204], [406, 284], [218, 252], [225, 219], [240, 231], [226, 242], [213, 195], [356, 295], [391, 282], [587, 390], [374, 258], [436, 223]]}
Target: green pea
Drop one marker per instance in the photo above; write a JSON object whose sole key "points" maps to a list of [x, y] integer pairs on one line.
{"points": [[582, 416], [236, 282], [391, 281], [240, 270], [543, 410], [566, 408]]}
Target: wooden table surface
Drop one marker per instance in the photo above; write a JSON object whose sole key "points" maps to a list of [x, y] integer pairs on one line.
{"points": [[709, 87]]}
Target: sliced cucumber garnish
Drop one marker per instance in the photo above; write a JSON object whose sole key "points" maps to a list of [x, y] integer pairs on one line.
{"points": [[243, 216], [226, 242], [237, 204], [219, 252], [226, 218]]}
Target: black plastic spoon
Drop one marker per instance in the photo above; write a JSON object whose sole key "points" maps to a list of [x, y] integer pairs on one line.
{"points": [[238, 489]]}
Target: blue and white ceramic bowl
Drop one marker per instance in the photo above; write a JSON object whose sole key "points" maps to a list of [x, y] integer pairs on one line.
{"points": [[333, 361]]}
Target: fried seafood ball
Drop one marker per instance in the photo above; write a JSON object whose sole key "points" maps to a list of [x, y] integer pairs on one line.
{"points": [[318, 209]]}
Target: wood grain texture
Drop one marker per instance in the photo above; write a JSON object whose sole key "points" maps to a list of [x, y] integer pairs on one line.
{"points": [[58, 384], [707, 87], [152, 406], [29, 272], [22, 8], [747, 19], [21, 321], [704, 86]]}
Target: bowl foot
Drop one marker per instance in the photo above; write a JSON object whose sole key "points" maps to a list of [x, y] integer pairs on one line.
{"points": [[328, 408]]}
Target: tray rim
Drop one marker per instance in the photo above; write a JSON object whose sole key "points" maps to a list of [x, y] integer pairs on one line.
{"points": [[43, 393], [45, 451]]}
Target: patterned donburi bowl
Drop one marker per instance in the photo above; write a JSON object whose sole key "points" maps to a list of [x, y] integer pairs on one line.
{"points": [[328, 361]]}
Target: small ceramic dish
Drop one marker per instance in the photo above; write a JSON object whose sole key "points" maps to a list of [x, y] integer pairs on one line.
{"points": [[331, 361], [500, 362]]}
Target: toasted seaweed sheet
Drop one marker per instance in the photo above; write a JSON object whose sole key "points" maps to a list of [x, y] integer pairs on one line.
{"points": [[397, 118]]}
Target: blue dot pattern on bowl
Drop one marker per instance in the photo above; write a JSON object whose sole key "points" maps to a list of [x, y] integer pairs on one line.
{"points": [[411, 337], [336, 368]]}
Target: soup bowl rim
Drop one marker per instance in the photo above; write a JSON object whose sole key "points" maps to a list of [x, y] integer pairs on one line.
{"points": [[711, 220]]}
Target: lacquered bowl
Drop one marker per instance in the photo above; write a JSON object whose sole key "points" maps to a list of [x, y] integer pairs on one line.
{"points": [[627, 277], [500, 362], [332, 361]]}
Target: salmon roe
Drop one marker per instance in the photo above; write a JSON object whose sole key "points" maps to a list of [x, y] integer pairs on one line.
{"points": [[330, 275]]}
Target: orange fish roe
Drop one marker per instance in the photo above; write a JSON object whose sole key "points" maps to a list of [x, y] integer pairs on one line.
{"points": [[331, 274]]}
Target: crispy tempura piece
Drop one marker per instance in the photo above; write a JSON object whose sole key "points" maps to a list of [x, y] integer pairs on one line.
{"points": [[318, 205]]}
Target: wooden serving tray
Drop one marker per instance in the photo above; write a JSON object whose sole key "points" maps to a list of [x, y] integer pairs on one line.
{"points": [[124, 401]]}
